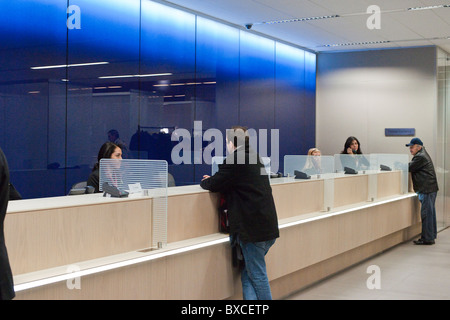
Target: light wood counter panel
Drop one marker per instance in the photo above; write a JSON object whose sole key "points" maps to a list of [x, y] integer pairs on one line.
{"points": [[298, 197], [51, 237], [350, 189], [313, 243], [389, 183], [192, 215]]}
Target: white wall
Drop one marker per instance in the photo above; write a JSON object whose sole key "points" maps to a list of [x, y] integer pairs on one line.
{"points": [[361, 93]]}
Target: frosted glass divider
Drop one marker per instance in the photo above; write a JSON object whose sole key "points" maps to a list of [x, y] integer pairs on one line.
{"points": [[311, 165], [215, 161], [393, 162], [357, 162], [152, 175]]}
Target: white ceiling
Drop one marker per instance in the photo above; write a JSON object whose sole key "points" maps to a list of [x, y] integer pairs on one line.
{"points": [[399, 27]]}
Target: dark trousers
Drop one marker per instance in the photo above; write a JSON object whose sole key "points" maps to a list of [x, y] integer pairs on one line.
{"points": [[428, 215]]}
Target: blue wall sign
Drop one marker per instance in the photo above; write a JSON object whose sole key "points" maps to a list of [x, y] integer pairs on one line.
{"points": [[392, 132]]}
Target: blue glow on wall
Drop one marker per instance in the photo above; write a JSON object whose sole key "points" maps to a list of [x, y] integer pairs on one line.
{"points": [[213, 72]]}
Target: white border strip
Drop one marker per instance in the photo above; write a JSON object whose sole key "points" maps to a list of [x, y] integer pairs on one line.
{"points": [[120, 264], [336, 213]]}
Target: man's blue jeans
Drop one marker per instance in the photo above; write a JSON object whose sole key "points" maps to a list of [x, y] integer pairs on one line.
{"points": [[255, 284], [428, 215]]}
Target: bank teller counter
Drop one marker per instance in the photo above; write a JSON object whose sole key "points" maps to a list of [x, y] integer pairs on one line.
{"points": [[327, 223]]}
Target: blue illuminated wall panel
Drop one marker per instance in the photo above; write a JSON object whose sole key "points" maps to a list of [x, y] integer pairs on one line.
{"points": [[257, 81], [159, 68], [290, 100]]}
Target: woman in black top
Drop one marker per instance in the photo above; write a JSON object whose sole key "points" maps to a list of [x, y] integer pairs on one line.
{"points": [[353, 147], [108, 150]]}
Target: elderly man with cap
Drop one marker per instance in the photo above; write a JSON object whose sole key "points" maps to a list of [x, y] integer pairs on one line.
{"points": [[425, 184]]}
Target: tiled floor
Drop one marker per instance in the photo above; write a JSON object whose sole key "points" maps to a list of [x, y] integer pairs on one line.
{"points": [[406, 272]]}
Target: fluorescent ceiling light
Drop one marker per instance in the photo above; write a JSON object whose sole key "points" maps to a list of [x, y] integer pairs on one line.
{"points": [[249, 25], [299, 19], [136, 75], [430, 7], [355, 43], [379, 42], [69, 65]]}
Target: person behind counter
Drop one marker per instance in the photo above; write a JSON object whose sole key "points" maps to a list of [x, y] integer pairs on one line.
{"points": [[425, 184], [352, 147], [251, 209], [313, 163], [6, 277], [108, 150]]}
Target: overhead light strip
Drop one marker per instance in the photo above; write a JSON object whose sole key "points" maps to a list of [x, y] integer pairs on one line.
{"points": [[355, 43], [429, 7], [70, 65], [135, 75], [249, 25], [380, 42], [300, 19]]}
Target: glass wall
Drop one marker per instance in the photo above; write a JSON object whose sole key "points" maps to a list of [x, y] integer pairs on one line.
{"points": [[443, 141], [74, 74]]}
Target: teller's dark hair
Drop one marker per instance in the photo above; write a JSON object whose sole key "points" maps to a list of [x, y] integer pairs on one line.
{"points": [[106, 150], [347, 144]]}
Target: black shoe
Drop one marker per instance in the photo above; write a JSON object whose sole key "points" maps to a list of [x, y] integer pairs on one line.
{"points": [[423, 242]]}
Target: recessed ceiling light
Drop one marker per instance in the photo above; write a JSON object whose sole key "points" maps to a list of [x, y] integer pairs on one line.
{"points": [[299, 19], [355, 43], [135, 75], [430, 7], [70, 65]]}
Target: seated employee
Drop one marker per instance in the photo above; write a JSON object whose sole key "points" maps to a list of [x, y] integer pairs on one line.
{"points": [[353, 155], [251, 209], [108, 150], [313, 163]]}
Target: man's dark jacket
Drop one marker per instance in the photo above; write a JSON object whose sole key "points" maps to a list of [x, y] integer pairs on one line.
{"points": [[422, 173], [6, 278], [251, 208]]}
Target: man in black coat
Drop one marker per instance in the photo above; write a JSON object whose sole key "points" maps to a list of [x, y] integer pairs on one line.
{"points": [[6, 278], [251, 210], [425, 184]]}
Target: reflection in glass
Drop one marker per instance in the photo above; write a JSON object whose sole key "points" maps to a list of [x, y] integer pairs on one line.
{"points": [[142, 70]]}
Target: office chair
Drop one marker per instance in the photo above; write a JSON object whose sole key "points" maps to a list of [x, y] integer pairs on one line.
{"points": [[80, 188], [170, 180], [79, 185]]}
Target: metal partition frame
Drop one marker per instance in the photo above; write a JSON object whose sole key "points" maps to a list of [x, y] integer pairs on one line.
{"points": [[147, 177]]}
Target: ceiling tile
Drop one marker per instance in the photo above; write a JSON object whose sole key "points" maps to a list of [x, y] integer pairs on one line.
{"points": [[401, 27]]}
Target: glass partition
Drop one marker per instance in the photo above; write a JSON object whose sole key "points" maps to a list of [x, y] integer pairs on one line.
{"points": [[357, 162], [311, 165], [141, 177], [392, 162], [215, 161]]}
